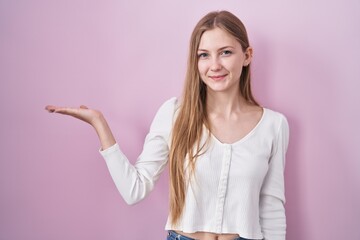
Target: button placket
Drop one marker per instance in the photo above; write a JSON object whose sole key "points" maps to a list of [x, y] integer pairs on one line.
{"points": [[222, 187]]}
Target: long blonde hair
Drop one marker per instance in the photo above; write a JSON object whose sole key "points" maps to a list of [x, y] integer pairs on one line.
{"points": [[192, 115]]}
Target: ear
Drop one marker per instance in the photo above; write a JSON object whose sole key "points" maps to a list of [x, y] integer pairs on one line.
{"points": [[248, 56]]}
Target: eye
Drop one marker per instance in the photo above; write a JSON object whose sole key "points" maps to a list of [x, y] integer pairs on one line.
{"points": [[226, 53], [203, 55]]}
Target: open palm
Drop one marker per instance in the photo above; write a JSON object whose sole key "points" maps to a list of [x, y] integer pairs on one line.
{"points": [[83, 113]]}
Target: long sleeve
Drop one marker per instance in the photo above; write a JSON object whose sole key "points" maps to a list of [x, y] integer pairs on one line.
{"points": [[134, 182], [272, 196]]}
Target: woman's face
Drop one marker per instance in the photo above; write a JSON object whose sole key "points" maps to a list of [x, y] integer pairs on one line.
{"points": [[220, 60]]}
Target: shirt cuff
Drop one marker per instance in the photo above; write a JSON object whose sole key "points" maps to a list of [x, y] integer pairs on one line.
{"points": [[105, 153]]}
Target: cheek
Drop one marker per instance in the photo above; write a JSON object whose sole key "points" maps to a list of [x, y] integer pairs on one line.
{"points": [[236, 70], [202, 68]]}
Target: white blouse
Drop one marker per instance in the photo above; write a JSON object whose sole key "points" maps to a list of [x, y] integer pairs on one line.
{"points": [[237, 188]]}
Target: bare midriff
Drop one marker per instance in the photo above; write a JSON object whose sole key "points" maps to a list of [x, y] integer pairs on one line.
{"points": [[209, 236]]}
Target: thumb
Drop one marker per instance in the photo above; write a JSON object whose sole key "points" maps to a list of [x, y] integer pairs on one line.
{"points": [[84, 107]]}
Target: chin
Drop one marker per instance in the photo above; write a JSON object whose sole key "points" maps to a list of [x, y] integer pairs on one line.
{"points": [[218, 87], [217, 90]]}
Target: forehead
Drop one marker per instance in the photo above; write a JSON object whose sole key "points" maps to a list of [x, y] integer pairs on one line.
{"points": [[217, 38]]}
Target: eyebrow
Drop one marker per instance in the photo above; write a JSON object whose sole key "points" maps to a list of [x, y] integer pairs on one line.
{"points": [[222, 48]]}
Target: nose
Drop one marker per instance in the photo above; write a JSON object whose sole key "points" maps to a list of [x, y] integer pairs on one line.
{"points": [[215, 65]]}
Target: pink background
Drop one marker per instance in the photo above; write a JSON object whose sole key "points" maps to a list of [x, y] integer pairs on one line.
{"points": [[126, 58]]}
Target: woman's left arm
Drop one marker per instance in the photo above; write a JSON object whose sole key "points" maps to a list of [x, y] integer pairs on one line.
{"points": [[272, 196]]}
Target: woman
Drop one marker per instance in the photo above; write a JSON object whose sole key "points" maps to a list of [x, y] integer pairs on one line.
{"points": [[226, 154]]}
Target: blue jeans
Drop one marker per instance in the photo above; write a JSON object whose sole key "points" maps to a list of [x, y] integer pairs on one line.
{"points": [[175, 236]]}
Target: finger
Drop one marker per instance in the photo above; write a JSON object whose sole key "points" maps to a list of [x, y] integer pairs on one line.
{"points": [[56, 109], [50, 108], [66, 110]]}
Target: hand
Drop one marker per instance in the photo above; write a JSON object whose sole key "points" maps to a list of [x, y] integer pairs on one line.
{"points": [[83, 113], [93, 117]]}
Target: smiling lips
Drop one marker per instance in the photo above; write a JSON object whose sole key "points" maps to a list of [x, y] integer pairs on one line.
{"points": [[218, 77]]}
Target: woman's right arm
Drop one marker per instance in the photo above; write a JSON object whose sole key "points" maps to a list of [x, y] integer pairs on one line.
{"points": [[134, 181]]}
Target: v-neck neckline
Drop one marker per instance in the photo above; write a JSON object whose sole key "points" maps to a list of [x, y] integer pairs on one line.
{"points": [[244, 137]]}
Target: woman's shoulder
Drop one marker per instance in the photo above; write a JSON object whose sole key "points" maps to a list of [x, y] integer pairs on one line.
{"points": [[277, 126], [169, 107], [169, 104], [275, 119], [164, 117], [274, 115]]}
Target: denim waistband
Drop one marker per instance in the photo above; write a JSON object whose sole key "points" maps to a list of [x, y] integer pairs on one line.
{"points": [[175, 236]]}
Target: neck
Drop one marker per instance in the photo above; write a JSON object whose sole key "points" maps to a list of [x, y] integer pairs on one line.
{"points": [[224, 103]]}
